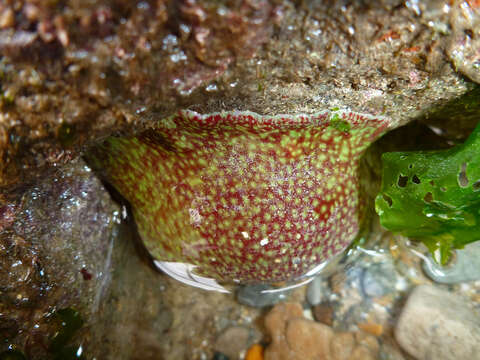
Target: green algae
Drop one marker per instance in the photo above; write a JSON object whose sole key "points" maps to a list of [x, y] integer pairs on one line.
{"points": [[339, 124], [433, 196]]}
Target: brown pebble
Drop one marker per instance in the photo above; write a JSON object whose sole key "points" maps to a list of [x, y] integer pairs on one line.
{"points": [[232, 341], [31, 12], [276, 320], [342, 346], [323, 313], [367, 340], [362, 353], [297, 338], [336, 282], [308, 339], [294, 337], [371, 328], [7, 18]]}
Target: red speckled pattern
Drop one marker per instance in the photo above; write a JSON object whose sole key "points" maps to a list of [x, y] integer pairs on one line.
{"points": [[244, 197]]}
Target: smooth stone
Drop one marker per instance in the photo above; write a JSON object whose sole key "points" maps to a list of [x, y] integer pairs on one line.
{"points": [[324, 313], [316, 291], [294, 337], [464, 267], [378, 279], [232, 342], [342, 345], [308, 339], [436, 324], [297, 338], [261, 295]]}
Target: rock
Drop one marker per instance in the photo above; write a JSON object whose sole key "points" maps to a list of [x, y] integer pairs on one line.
{"points": [[361, 353], [233, 341], [55, 253], [464, 44], [277, 318], [370, 342], [436, 324], [259, 296], [465, 266], [62, 246], [308, 339], [342, 345], [317, 290], [323, 313], [296, 338], [371, 328], [390, 352], [379, 279]]}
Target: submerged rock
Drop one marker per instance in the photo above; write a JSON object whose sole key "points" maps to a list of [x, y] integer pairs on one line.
{"points": [[63, 249], [463, 267], [436, 324], [294, 337], [56, 253], [233, 341]]}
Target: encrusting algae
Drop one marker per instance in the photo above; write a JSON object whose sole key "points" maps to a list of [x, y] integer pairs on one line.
{"points": [[241, 197]]}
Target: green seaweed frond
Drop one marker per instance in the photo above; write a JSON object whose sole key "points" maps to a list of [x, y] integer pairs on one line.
{"points": [[433, 196]]}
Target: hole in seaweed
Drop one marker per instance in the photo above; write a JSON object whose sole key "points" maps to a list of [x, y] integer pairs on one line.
{"points": [[388, 200], [415, 179], [476, 185], [462, 176], [431, 182], [410, 166], [402, 181], [428, 197]]}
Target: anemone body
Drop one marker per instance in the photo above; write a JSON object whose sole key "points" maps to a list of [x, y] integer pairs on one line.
{"points": [[244, 197]]}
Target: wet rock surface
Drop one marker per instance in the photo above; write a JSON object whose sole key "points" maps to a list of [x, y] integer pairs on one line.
{"points": [[233, 341], [465, 42], [64, 249], [464, 267], [436, 324], [73, 72], [56, 253], [294, 337]]}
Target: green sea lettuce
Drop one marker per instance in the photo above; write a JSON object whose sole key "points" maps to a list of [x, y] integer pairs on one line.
{"points": [[433, 196]]}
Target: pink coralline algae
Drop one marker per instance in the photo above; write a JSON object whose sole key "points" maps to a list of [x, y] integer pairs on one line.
{"points": [[242, 197]]}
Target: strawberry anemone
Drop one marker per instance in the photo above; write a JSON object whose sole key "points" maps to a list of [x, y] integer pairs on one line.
{"points": [[241, 197]]}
